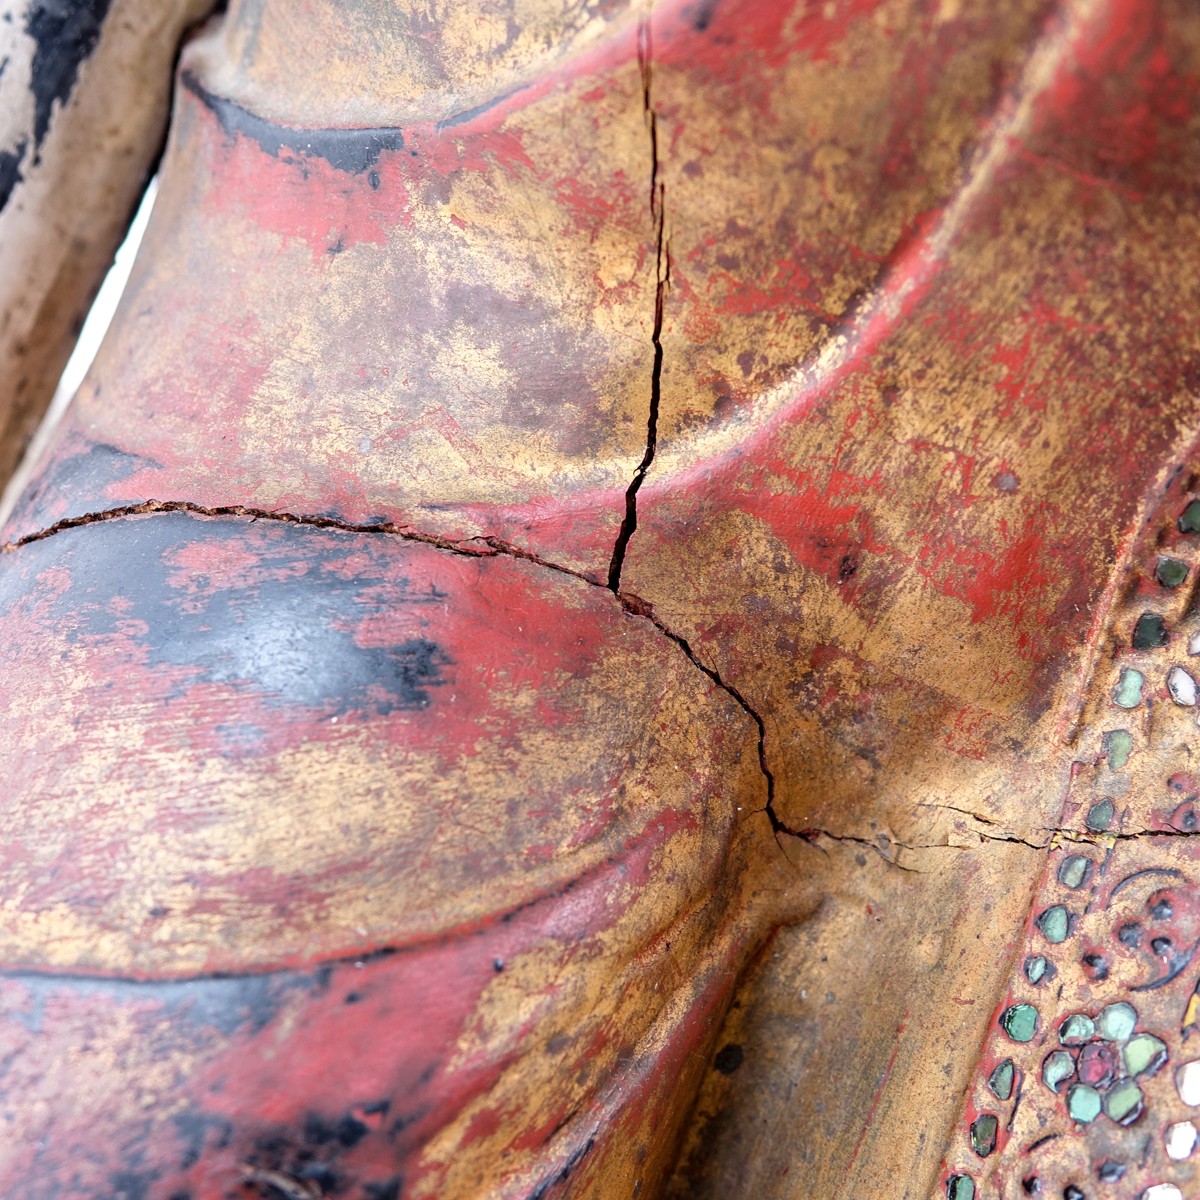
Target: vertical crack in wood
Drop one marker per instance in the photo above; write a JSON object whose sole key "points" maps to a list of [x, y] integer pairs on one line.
{"points": [[662, 279]]}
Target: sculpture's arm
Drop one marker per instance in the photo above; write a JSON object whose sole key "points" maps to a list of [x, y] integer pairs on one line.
{"points": [[84, 88]]}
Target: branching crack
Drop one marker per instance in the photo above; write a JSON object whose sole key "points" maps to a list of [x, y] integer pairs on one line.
{"points": [[1135, 834], [640, 608], [475, 547], [879, 846], [1076, 838], [662, 280], [486, 546], [1014, 840], [491, 547]]}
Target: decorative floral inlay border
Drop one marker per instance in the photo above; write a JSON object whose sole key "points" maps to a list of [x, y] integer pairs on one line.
{"points": [[1089, 1086]]}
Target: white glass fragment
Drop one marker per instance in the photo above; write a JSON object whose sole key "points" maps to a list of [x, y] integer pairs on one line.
{"points": [[1181, 1140], [1187, 1080], [1181, 686]]}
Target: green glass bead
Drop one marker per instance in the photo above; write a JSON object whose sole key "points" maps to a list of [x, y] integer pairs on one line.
{"points": [[1128, 693], [1057, 1069], [1083, 1103], [1020, 1022], [1118, 745], [960, 1187], [1074, 870], [1035, 968], [1150, 632], [1077, 1028], [1116, 1022], [983, 1134], [1143, 1054], [1100, 816], [1124, 1102], [1055, 924], [1001, 1079], [1189, 520], [1170, 572]]}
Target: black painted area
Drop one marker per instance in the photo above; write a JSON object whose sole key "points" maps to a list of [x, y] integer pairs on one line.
{"points": [[467, 115], [389, 1190], [84, 476], [547, 1187], [65, 33], [702, 14], [10, 170], [729, 1058], [351, 150], [305, 1159], [319, 1148], [200, 1132], [285, 630], [245, 1003], [347, 1131], [132, 1185]]}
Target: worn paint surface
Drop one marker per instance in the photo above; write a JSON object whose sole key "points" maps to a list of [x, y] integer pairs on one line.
{"points": [[550, 524], [367, 731]]}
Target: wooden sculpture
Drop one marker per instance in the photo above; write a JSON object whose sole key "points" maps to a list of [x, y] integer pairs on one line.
{"points": [[617, 615]]}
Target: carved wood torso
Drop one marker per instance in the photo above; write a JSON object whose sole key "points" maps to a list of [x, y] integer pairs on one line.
{"points": [[598, 626]]}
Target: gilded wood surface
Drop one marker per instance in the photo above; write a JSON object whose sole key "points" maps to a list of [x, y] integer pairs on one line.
{"points": [[586, 578]]}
